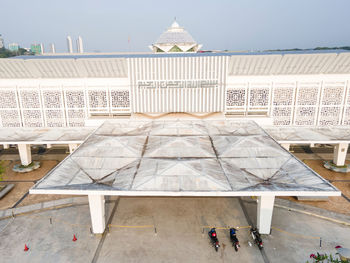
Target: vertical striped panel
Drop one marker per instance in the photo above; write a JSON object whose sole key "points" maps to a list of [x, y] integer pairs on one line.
{"points": [[154, 73]]}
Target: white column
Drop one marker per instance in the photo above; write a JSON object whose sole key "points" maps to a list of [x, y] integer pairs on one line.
{"points": [[285, 146], [265, 209], [25, 153], [97, 213], [72, 147], [340, 151], [6, 146], [48, 146]]}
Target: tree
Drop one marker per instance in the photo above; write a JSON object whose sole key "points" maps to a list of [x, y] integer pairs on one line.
{"points": [[6, 53]]}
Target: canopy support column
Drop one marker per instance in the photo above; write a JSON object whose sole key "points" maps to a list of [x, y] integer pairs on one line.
{"points": [[265, 209], [25, 154], [97, 213], [6, 146], [340, 151]]}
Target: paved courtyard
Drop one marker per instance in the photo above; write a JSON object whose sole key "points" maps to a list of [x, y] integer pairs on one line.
{"points": [[165, 230]]}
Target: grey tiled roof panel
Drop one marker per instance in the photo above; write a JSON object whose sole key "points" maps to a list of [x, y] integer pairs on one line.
{"points": [[183, 156], [199, 54]]}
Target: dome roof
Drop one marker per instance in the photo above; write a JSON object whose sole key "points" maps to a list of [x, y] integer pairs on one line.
{"points": [[175, 35]]}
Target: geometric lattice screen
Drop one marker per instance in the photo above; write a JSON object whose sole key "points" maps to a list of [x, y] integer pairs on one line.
{"points": [[120, 99], [58, 106], [300, 104], [31, 107], [9, 108], [75, 106], [282, 104], [53, 108]]}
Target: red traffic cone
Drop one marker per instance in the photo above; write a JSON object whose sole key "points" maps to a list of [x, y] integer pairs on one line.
{"points": [[25, 247], [74, 238]]}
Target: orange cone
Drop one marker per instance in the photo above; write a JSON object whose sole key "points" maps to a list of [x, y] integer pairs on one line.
{"points": [[25, 247], [74, 238]]}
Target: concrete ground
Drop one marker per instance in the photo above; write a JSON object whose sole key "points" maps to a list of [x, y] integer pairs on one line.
{"points": [[165, 230], [294, 236], [179, 224]]}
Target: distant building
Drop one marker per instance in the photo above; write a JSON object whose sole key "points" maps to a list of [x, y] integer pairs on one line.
{"points": [[52, 47], [69, 44], [175, 39], [1, 42], [13, 46], [80, 47], [37, 49]]}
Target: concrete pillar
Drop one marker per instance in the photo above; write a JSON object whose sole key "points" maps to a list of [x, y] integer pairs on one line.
{"points": [[97, 213], [25, 153], [72, 147], [6, 146], [285, 146], [340, 151], [48, 146], [265, 209], [312, 145]]}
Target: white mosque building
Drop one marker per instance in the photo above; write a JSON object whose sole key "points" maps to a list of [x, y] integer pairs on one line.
{"points": [[293, 88], [306, 95]]}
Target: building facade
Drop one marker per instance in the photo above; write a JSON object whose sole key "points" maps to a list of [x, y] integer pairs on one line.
{"points": [[1, 42], [52, 48], [80, 46], [69, 45], [298, 89], [37, 49], [13, 46]]}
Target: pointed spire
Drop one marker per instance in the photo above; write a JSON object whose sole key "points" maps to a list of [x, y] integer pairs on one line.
{"points": [[175, 24]]}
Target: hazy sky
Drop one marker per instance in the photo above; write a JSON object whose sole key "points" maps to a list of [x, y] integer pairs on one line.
{"points": [[106, 25]]}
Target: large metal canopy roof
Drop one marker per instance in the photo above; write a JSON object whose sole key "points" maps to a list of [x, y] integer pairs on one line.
{"points": [[290, 134], [182, 158]]}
